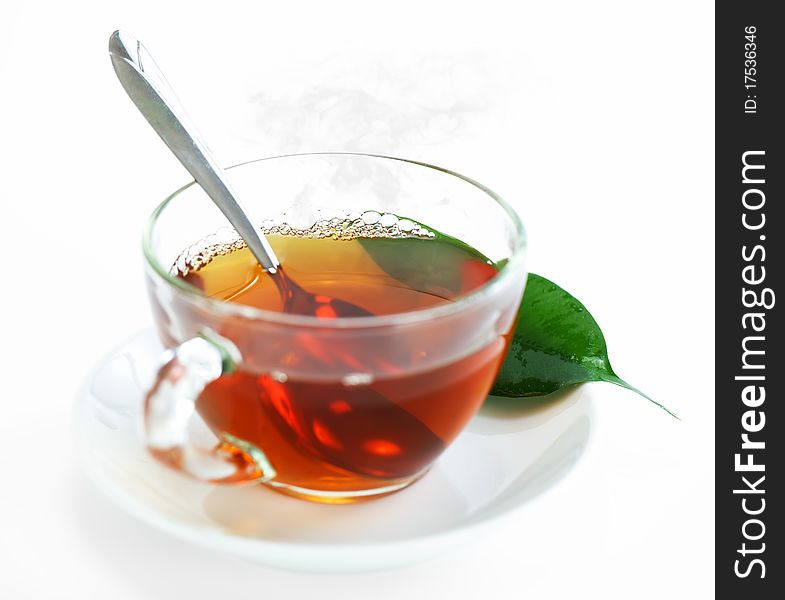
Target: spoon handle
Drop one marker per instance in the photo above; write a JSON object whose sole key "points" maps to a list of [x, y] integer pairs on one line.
{"points": [[149, 90]]}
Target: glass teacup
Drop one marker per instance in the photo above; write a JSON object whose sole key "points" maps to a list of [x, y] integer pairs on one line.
{"points": [[332, 410]]}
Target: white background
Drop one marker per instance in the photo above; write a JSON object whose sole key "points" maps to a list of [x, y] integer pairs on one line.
{"points": [[595, 119]]}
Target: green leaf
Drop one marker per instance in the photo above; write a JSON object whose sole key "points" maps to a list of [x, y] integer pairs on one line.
{"points": [[557, 343], [434, 265]]}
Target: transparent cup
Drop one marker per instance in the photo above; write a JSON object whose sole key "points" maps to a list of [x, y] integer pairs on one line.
{"points": [[386, 395]]}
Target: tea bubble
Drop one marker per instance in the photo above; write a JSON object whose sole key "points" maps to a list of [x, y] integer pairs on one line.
{"points": [[388, 220], [370, 217], [180, 264], [301, 218], [279, 376], [406, 225]]}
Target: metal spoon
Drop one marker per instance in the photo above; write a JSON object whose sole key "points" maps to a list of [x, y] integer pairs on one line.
{"points": [[146, 85]]}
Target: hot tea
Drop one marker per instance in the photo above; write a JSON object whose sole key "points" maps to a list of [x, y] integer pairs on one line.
{"points": [[386, 419]]}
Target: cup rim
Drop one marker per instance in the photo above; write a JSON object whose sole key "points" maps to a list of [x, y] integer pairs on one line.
{"points": [[230, 309]]}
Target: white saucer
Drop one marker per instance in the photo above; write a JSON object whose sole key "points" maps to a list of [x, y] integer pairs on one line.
{"points": [[511, 452]]}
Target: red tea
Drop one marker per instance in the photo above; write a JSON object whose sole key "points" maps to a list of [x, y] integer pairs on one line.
{"points": [[385, 419]]}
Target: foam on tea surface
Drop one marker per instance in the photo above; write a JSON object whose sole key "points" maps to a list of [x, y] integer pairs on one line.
{"points": [[343, 225]]}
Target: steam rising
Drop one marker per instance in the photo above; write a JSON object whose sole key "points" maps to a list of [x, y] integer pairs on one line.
{"points": [[382, 105]]}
